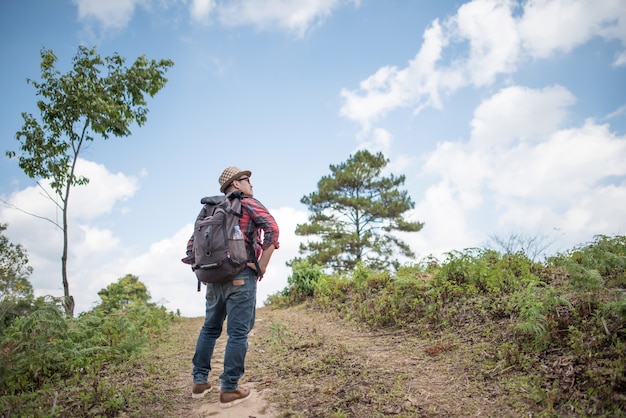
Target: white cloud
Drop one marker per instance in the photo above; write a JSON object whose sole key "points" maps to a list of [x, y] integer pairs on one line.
{"points": [[89, 246], [110, 188], [618, 112], [570, 180], [549, 26], [490, 29], [462, 170], [294, 16], [390, 88], [620, 59], [378, 141], [498, 38], [201, 10], [112, 14], [566, 165], [519, 113], [445, 223]]}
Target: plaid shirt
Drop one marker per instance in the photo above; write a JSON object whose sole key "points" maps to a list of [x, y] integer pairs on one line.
{"points": [[257, 224]]}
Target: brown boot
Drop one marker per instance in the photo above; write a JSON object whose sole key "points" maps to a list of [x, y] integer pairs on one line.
{"points": [[228, 399], [200, 389]]}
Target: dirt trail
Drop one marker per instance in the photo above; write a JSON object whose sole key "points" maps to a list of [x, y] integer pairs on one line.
{"points": [[186, 406], [393, 374]]}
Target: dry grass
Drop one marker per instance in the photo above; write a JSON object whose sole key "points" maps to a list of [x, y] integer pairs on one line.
{"points": [[308, 363]]}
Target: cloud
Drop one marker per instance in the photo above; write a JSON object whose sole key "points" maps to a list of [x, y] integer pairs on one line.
{"points": [[294, 16], [89, 245], [201, 10], [389, 88], [551, 26], [620, 59], [489, 28], [111, 14], [519, 113], [377, 141], [445, 220], [568, 179], [483, 40]]}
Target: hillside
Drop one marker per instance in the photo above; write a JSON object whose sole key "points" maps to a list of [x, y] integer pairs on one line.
{"points": [[307, 363], [479, 334]]}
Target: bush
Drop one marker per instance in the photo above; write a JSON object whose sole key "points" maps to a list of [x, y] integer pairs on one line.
{"points": [[44, 348], [302, 284]]}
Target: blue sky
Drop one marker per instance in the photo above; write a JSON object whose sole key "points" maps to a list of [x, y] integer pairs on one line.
{"points": [[507, 117]]}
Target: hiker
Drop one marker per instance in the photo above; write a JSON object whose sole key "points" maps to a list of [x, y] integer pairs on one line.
{"points": [[235, 299]]}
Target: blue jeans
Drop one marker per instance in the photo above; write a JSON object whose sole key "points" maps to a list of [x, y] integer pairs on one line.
{"points": [[236, 299]]}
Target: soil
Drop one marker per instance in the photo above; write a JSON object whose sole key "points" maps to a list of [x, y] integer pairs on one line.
{"points": [[306, 363]]}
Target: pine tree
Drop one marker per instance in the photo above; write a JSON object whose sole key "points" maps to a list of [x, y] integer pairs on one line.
{"points": [[354, 213]]}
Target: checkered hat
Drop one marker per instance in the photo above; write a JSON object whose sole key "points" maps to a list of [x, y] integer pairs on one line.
{"points": [[229, 175]]}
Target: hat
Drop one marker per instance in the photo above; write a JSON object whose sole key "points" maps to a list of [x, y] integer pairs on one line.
{"points": [[229, 175]]}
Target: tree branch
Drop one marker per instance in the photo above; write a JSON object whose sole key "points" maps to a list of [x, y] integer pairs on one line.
{"points": [[12, 206]]}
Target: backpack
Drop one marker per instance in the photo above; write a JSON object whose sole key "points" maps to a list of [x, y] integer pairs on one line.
{"points": [[215, 255]]}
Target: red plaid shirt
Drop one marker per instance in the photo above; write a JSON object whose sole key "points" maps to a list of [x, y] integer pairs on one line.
{"points": [[258, 225]]}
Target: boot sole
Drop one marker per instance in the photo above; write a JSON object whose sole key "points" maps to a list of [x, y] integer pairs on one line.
{"points": [[200, 395]]}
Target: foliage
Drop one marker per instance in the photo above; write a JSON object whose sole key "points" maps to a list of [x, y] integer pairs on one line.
{"points": [[354, 213], [75, 108], [599, 264], [47, 356], [16, 292], [124, 293], [301, 284], [304, 278], [561, 324]]}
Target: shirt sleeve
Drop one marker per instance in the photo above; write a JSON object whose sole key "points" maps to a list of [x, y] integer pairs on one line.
{"points": [[261, 218]]}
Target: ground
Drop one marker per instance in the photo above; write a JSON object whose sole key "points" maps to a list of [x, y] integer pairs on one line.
{"points": [[306, 363]]}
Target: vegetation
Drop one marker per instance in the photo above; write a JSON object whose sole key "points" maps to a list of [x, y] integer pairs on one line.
{"points": [[556, 330], [546, 339], [53, 365], [75, 108], [354, 214], [16, 292]]}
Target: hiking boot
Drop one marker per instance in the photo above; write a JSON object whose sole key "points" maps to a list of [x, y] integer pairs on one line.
{"points": [[228, 399], [200, 389]]}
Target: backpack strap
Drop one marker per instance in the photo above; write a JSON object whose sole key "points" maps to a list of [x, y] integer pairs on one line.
{"points": [[238, 194]]}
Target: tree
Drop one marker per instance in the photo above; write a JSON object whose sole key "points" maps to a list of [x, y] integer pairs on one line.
{"points": [[354, 212], [532, 246], [126, 291], [16, 292], [76, 107]]}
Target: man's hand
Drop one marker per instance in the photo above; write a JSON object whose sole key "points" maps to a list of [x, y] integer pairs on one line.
{"points": [[259, 274], [263, 261]]}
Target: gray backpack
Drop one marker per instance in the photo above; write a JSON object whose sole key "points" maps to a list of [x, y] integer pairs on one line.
{"points": [[216, 255]]}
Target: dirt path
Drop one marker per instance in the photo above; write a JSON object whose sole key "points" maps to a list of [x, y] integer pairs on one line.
{"points": [[186, 406], [304, 363]]}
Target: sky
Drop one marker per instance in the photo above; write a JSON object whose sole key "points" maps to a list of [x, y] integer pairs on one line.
{"points": [[508, 118]]}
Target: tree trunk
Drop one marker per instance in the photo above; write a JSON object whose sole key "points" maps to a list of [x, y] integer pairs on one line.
{"points": [[68, 301]]}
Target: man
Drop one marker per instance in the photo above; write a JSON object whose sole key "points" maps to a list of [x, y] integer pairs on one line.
{"points": [[236, 298]]}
